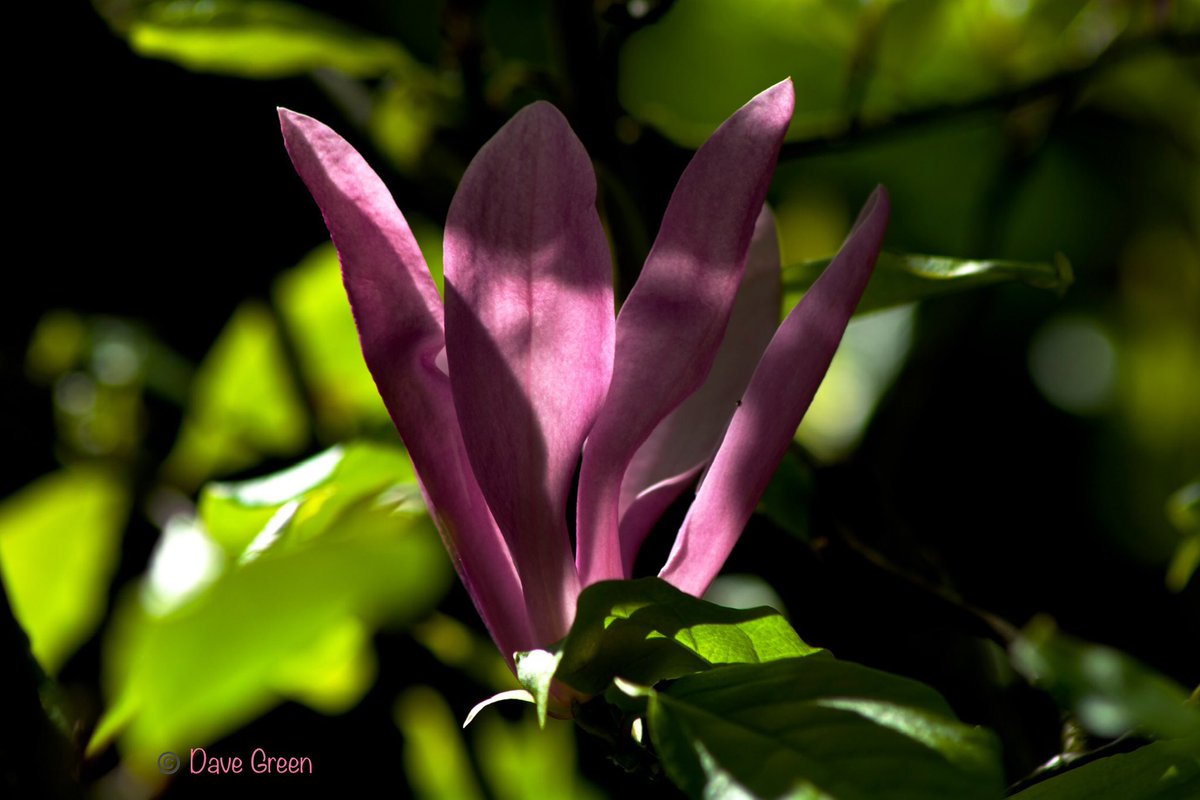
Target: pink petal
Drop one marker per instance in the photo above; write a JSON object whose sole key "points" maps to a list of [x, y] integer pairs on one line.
{"points": [[685, 441], [673, 321], [529, 338], [778, 395], [399, 318]]}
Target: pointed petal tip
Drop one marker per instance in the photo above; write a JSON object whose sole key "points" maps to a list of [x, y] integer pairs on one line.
{"points": [[877, 206], [293, 123], [780, 99], [287, 116], [880, 195]]}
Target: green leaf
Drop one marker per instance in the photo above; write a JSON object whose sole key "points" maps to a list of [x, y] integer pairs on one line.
{"points": [[853, 62], [252, 38], [193, 655], [817, 728], [675, 74], [60, 538], [244, 404], [436, 760], [901, 278], [523, 761], [1168, 770], [788, 496], [1110, 692], [313, 306], [1183, 509], [647, 630], [519, 760], [312, 494]]}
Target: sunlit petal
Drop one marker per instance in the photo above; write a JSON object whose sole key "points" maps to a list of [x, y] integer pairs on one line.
{"points": [[399, 320], [783, 385], [685, 441], [674, 318], [529, 339]]}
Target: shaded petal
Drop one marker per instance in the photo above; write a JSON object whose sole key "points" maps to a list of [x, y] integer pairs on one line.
{"points": [[778, 395], [529, 339], [685, 441], [399, 319], [674, 318]]}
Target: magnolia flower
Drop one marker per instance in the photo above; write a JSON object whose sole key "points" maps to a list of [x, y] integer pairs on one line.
{"points": [[525, 377]]}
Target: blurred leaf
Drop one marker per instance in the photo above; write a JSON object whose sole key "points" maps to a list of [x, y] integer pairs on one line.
{"points": [[1183, 509], [459, 647], [244, 404], [788, 496], [1167, 770], [900, 279], [519, 761], [311, 495], [60, 538], [676, 74], [251, 38], [647, 630], [57, 345], [403, 119], [853, 61], [870, 356], [314, 308], [817, 727], [435, 756], [289, 618], [1108, 691], [334, 672]]}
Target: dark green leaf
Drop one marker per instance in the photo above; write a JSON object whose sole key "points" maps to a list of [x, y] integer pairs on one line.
{"points": [[1110, 692], [1168, 770], [647, 630], [900, 279], [788, 496], [1183, 509], [818, 727]]}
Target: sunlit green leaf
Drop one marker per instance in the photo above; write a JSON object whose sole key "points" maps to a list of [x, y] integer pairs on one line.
{"points": [[251, 38], [647, 630], [314, 308], [870, 356], [520, 761], [817, 728], [244, 403], [289, 617], [854, 61], [676, 75], [901, 278], [436, 761], [403, 118], [60, 538], [1108, 691], [1168, 770]]}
